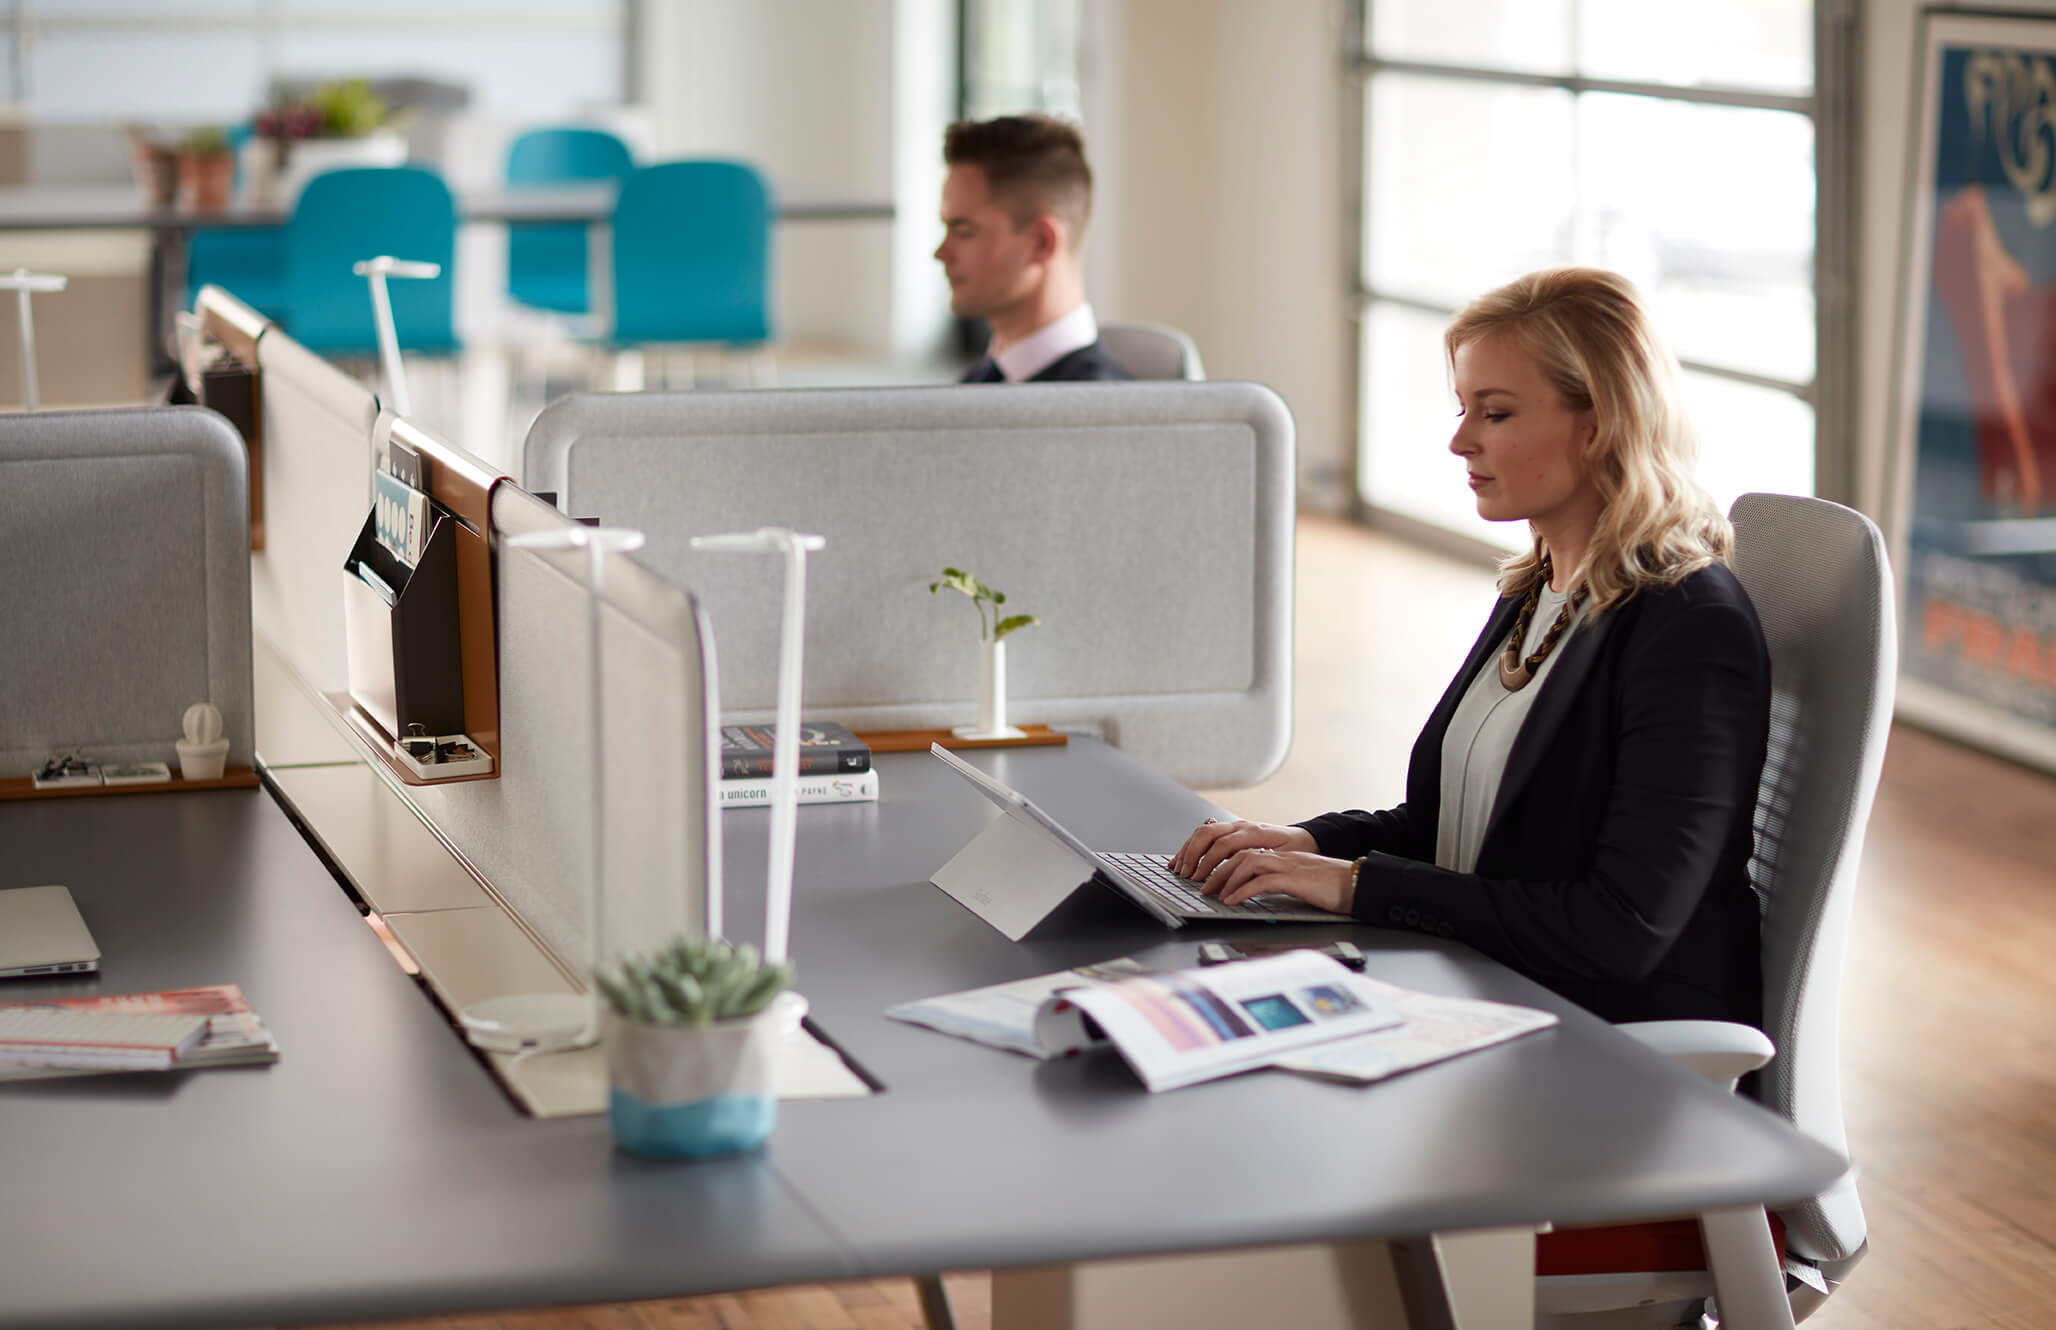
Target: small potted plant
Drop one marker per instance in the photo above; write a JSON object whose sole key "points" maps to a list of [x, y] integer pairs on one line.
{"points": [[690, 1035], [992, 658], [156, 167], [206, 170], [339, 124]]}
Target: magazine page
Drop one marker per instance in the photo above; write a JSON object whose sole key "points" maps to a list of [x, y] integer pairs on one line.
{"points": [[1003, 1015], [1185, 1026], [1433, 1029]]}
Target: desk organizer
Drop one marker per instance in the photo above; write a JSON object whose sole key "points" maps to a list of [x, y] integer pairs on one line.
{"points": [[232, 778], [406, 663]]}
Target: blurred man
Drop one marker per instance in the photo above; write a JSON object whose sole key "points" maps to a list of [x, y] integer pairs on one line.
{"points": [[1014, 207]]}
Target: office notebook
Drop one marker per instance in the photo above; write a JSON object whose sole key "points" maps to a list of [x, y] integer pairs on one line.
{"points": [[41, 933], [1025, 864]]}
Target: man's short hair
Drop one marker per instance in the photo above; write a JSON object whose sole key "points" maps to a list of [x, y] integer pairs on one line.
{"points": [[1033, 164]]}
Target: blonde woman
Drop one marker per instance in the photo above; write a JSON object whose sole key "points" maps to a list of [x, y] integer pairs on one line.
{"points": [[1580, 803]]}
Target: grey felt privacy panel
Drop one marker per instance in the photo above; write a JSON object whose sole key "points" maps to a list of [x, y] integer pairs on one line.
{"points": [[317, 491], [1149, 525], [125, 538], [528, 832]]}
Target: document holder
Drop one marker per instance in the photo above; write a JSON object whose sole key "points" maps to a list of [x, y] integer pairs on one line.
{"points": [[406, 665]]}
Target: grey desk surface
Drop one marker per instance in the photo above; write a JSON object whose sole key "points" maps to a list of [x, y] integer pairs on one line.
{"points": [[81, 207], [376, 1171]]}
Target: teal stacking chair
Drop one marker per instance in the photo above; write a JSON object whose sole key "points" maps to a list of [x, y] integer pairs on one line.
{"points": [[692, 256], [546, 261], [359, 213]]}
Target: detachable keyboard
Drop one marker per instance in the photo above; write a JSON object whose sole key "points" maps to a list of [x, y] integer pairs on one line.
{"points": [[1182, 896]]}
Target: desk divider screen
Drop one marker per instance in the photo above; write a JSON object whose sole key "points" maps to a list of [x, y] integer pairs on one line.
{"points": [[317, 425], [527, 833], [1149, 525], [125, 536]]}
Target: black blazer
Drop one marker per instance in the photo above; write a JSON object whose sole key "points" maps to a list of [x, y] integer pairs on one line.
{"points": [[1614, 868], [1087, 362]]}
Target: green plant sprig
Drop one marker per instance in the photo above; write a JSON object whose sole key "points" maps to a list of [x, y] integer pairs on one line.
{"points": [[984, 599], [693, 982]]}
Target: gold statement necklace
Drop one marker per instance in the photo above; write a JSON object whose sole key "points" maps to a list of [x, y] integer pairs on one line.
{"points": [[1514, 672]]}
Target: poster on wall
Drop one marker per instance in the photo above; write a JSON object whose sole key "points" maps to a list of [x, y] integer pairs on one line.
{"points": [[1974, 500]]}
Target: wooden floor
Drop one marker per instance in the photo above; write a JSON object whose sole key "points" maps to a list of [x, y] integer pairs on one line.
{"points": [[1949, 1040]]}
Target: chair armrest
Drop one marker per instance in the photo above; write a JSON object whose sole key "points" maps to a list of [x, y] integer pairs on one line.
{"points": [[1718, 1050]]}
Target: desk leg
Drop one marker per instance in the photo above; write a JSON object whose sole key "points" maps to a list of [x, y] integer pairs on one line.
{"points": [[1748, 1283], [935, 1308], [1468, 1280], [1474, 1280]]}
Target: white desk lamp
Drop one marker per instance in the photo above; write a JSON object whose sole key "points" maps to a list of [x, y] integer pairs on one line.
{"points": [[785, 743], [378, 270], [550, 1022], [25, 284]]}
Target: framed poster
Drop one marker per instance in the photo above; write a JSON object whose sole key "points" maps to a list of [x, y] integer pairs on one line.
{"points": [[1974, 495]]}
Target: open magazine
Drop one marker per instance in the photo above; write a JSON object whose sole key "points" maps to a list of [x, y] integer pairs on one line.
{"points": [[1181, 1027], [1045, 1017]]}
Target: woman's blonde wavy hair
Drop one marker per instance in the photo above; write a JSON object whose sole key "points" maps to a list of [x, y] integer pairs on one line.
{"points": [[1586, 331]]}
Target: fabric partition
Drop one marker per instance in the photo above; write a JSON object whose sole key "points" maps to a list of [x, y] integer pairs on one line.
{"points": [[1149, 525], [126, 536], [317, 426]]}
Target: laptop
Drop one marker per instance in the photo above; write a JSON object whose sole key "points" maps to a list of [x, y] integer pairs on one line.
{"points": [[41, 933], [1024, 865]]}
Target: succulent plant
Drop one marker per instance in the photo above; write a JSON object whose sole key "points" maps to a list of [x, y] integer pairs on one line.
{"points": [[693, 982], [207, 141]]}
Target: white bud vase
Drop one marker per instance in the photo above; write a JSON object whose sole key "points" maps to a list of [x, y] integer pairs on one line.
{"points": [[992, 696]]}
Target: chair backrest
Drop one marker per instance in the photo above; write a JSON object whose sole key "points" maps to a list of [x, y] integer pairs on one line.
{"points": [[343, 217], [1822, 586], [546, 261], [564, 153], [1152, 351], [692, 254]]}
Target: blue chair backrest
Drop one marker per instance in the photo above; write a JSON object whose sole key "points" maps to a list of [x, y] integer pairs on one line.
{"points": [[546, 261], [357, 213], [692, 254]]}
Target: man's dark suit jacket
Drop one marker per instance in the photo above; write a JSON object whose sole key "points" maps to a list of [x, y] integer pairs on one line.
{"points": [[1087, 362], [1614, 868]]}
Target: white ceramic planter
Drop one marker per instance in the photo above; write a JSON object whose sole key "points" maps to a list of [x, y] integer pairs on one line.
{"points": [[992, 696], [686, 1092], [202, 761], [308, 158]]}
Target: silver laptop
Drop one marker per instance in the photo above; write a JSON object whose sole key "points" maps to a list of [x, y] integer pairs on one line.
{"points": [[41, 933], [1145, 879]]}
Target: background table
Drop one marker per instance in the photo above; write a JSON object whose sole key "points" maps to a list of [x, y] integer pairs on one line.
{"points": [[377, 1171]]}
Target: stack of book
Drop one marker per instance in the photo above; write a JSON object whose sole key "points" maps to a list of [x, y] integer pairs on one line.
{"points": [[177, 1030], [835, 766]]}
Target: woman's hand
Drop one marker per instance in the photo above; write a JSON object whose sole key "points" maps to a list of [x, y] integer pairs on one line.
{"points": [[1313, 878], [1213, 842]]}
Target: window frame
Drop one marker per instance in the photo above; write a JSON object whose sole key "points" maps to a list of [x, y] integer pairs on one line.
{"points": [[1831, 106]]}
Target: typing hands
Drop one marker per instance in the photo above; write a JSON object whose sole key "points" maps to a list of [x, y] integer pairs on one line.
{"points": [[1237, 860]]}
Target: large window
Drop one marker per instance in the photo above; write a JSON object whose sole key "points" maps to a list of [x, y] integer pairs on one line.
{"points": [[1681, 146]]}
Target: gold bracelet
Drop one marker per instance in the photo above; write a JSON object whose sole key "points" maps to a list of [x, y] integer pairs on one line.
{"points": [[1355, 869]]}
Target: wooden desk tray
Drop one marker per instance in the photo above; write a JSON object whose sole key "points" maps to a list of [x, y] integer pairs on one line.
{"points": [[232, 778], [917, 741]]}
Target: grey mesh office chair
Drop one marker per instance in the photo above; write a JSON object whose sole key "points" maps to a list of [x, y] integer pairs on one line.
{"points": [[1152, 351], [1822, 586]]}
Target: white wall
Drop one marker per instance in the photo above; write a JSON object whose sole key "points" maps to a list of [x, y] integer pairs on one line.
{"points": [[1218, 144]]}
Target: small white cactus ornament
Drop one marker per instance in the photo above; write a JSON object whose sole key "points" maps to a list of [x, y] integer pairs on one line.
{"points": [[203, 752]]}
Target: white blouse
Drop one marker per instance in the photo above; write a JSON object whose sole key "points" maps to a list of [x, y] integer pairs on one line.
{"points": [[1481, 734]]}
